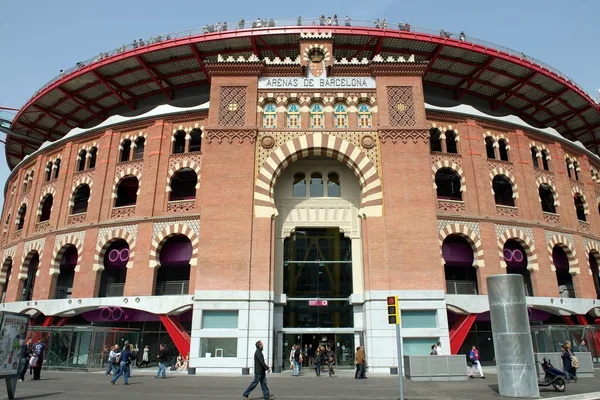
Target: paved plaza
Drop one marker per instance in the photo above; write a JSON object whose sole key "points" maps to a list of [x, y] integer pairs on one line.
{"points": [[96, 386]]}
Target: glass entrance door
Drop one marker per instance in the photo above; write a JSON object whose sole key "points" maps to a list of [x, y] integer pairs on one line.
{"points": [[317, 279], [341, 343]]}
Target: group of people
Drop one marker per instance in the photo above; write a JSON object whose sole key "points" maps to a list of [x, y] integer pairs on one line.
{"points": [[461, 36], [32, 358], [120, 361], [310, 357]]}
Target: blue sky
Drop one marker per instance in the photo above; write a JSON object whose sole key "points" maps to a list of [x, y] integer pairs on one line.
{"points": [[40, 37]]}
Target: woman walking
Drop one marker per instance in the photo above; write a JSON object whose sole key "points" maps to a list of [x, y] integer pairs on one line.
{"points": [[145, 357], [318, 361], [331, 357], [567, 359], [125, 363]]}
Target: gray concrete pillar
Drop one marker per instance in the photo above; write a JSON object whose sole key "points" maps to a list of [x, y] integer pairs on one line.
{"points": [[512, 337]]}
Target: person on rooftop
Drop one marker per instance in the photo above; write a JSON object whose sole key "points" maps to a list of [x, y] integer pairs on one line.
{"points": [[347, 21], [335, 20], [241, 24], [462, 37]]}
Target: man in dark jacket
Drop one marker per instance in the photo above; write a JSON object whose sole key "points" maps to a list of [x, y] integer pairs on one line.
{"points": [[162, 360], [260, 373]]}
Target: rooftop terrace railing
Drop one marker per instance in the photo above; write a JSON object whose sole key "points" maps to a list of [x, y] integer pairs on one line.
{"points": [[265, 25]]}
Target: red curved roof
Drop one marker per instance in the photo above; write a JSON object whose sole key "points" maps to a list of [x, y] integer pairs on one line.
{"points": [[528, 88]]}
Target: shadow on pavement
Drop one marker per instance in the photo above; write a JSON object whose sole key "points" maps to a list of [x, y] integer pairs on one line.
{"points": [[39, 396]]}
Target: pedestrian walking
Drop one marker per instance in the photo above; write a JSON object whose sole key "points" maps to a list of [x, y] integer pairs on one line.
{"points": [[318, 361], [145, 357], [162, 361], [112, 360], [438, 349], [475, 364], [38, 350], [297, 360], [124, 365], [331, 356], [260, 373], [311, 356], [26, 353], [570, 362], [305, 356], [360, 358]]}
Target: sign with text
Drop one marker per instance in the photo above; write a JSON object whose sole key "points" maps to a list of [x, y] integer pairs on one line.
{"points": [[12, 337], [317, 303], [317, 83]]}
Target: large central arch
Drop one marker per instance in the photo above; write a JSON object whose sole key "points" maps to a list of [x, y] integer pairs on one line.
{"points": [[318, 144]]}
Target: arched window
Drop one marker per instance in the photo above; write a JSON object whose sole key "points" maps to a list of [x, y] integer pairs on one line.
{"points": [[333, 185], [32, 268], [364, 115], [64, 281], [317, 119], [547, 199], [563, 276], [56, 168], [568, 164], [25, 182], [195, 140], [447, 182], [92, 156], [48, 171], [183, 185], [139, 147], [46, 208], [81, 159], [515, 258], [179, 142], [127, 191], [114, 275], [125, 150], [451, 142], [80, 199], [299, 185], [173, 276], [576, 170], [270, 115], [435, 142], [503, 192], [7, 269], [593, 259], [534, 157], [461, 276], [293, 116], [489, 148], [503, 149], [545, 158], [21, 217], [340, 115], [579, 207], [316, 185]]}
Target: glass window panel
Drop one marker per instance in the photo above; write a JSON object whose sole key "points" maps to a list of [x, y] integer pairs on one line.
{"points": [[299, 185], [218, 347], [316, 185], [293, 116], [218, 319], [364, 116], [418, 346], [270, 116], [419, 318], [333, 185], [318, 314]]}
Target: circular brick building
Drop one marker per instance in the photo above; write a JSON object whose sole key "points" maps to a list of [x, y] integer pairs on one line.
{"points": [[278, 180]]}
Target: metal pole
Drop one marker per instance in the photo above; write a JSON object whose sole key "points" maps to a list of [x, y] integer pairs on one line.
{"points": [[400, 374]]}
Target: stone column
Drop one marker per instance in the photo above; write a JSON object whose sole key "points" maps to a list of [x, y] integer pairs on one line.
{"points": [[517, 376]]}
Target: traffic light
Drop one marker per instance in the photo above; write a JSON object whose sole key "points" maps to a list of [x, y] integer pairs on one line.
{"points": [[392, 310]]}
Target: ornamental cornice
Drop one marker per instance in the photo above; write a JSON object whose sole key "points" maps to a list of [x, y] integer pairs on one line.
{"points": [[198, 116], [230, 136], [241, 68], [403, 135], [282, 70], [399, 68], [316, 36]]}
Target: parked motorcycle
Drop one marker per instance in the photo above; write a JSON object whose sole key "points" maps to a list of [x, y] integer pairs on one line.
{"points": [[553, 377]]}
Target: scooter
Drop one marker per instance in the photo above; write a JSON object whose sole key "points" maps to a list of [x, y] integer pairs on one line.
{"points": [[555, 377]]}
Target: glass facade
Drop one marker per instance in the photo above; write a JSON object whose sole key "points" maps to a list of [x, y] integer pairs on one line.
{"points": [[218, 347], [419, 318], [418, 346], [217, 319]]}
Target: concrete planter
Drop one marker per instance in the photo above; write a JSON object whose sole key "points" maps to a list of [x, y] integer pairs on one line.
{"points": [[586, 366], [435, 368]]}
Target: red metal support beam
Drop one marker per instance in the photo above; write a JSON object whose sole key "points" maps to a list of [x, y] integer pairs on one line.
{"points": [[268, 46], [474, 79], [433, 59], [514, 90], [199, 60], [563, 120], [369, 43], [254, 47], [582, 320], [81, 104], [180, 337], [48, 322], [52, 116], [112, 89], [156, 77], [46, 134], [459, 331], [378, 46]]}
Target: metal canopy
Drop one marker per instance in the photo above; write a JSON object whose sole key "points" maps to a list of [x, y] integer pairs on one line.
{"points": [[90, 93]]}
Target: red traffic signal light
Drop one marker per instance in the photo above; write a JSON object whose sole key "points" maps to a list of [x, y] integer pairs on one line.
{"points": [[392, 310], [392, 300]]}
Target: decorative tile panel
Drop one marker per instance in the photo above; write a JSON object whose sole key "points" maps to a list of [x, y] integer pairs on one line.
{"points": [[232, 110], [194, 225], [474, 226], [401, 106]]}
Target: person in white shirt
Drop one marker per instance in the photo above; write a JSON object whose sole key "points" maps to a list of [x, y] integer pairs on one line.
{"points": [[438, 349]]}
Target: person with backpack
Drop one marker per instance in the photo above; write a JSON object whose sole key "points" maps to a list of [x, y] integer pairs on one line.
{"points": [[331, 358], [570, 362], [475, 364], [112, 360], [124, 359]]}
